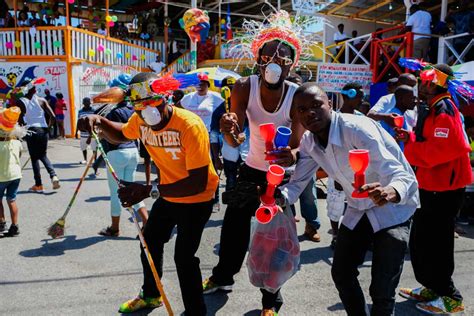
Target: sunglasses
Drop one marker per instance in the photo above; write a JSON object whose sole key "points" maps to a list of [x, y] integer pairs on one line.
{"points": [[142, 104], [280, 61]]}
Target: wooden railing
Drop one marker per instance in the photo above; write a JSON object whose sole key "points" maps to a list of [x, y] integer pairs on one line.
{"points": [[51, 42]]}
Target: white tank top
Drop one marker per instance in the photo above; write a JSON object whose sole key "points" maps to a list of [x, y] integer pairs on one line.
{"points": [[34, 116], [257, 115]]}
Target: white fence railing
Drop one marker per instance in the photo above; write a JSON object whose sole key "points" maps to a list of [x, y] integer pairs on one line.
{"points": [[358, 52], [447, 52], [180, 65], [100, 49], [78, 44], [153, 45], [41, 41]]}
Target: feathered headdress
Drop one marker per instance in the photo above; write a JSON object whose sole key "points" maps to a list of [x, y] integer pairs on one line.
{"points": [[147, 93], [428, 73], [280, 26]]}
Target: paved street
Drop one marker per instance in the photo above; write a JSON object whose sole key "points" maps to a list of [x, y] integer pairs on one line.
{"points": [[87, 274]]}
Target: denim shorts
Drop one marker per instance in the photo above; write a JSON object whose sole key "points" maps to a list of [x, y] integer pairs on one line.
{"points": [[11, 187]]}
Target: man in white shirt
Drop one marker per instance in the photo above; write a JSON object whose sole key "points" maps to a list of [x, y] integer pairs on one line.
{"points": [[382, 218], [340, 36], [202, 102], [381, 110], [158, 65], [419, 22]]}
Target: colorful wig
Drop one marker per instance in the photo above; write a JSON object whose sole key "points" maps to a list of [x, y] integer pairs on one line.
{"points": [[428, 73]]}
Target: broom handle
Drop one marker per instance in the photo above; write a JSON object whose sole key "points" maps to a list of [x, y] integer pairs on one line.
{"points": [[140, 235], [26, 162], [71, 202]]}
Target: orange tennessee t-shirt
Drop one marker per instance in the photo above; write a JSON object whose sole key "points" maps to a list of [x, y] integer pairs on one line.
{"points": [[181, 146]]}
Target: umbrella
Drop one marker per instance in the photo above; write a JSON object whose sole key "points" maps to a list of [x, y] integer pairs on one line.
{"points": [[216, 75]]}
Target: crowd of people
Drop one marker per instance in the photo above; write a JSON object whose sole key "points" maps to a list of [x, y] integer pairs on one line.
{"points": [[413, 192]]}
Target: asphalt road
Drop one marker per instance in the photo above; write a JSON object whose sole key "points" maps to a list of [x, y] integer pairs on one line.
{"points": [[86, 274]]}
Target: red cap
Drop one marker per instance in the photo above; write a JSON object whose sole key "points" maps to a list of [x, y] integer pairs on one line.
{"points": [[202, 76]]}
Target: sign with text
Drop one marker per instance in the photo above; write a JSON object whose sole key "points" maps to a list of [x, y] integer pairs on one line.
{"points": [[333, 77]]}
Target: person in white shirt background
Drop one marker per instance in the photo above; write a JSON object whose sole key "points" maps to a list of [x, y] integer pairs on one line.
{"points": [[381, 110], [158, 65], [102, 30], [340, 36], [383, 217], [419, 22], [203, 103]]}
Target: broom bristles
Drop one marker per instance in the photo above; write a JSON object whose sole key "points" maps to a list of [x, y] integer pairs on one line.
{"points": [[57, 229]]}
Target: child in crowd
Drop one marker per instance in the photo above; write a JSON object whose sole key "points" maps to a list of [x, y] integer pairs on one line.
{"points": [[59, 112], [10, 168]]}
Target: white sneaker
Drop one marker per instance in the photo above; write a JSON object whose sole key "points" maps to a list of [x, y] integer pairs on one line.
{"points": [[55, 181], [82, 162]]}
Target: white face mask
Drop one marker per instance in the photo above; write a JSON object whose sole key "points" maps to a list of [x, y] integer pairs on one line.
{"points": [[151, 116], [272, 73]]}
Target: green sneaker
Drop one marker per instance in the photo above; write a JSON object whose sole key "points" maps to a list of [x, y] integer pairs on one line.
{"points": [[421, 294], [442, 305], [139, 303], [209, 287]]}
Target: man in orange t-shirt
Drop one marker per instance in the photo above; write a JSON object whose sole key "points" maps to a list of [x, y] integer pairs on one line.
{"points": [[178, 143]]}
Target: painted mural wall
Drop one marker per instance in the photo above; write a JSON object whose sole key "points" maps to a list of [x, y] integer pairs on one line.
{"points": [[14, 74]]}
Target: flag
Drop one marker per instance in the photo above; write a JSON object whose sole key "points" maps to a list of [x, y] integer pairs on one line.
{"points": [[228, 25]]}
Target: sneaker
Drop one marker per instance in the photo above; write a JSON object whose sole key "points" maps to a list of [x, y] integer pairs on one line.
{"points": [[442, 305], [109, 232], [268, 312], [311, 233], [421, 294], [3, 227], [139, 303], [55, 181], [209, 287], [82, 162], [216, 207], [36, 188], [13, 231]]}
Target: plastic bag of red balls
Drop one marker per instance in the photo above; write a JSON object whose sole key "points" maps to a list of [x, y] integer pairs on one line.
{"points": [[274, 252]]}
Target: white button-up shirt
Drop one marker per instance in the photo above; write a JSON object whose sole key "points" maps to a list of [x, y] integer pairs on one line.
{"points": [[387, 165]]}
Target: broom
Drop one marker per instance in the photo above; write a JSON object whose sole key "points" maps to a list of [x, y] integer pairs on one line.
{"points": [[159, 285], [57, 229], [26, 162]]}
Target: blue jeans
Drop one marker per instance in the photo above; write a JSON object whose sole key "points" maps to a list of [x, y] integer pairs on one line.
{"points": [[308, 205], [124, 162], [11, 189], [231, 169]]}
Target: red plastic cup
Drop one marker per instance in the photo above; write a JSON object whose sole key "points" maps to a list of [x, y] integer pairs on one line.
{"points": [[265, 213], [359, 161], [268, 132], [398, 121], [275, 174]]}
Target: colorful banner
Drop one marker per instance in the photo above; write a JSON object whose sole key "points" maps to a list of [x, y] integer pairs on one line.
{"points": [[15, 74], [333, 77]]}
